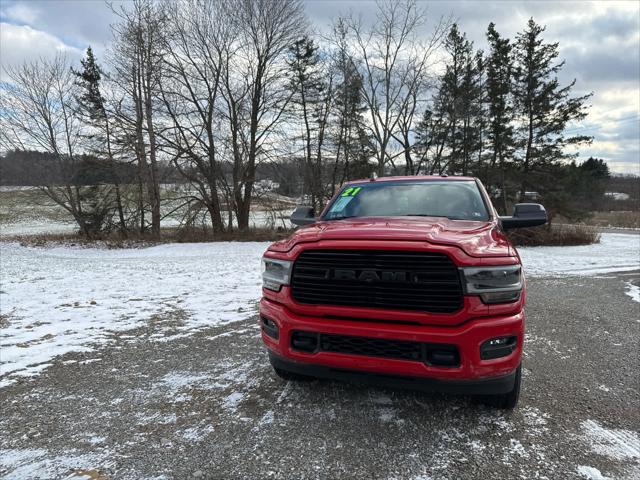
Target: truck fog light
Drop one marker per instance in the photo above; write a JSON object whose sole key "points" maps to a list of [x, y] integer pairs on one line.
{"points": [[270, 328], [500, 297], [498, 347]]}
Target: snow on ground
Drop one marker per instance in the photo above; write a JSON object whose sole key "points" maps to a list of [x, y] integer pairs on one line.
{"points": [[591, 473], [62, 299], [615, 252], [37, 227], [56, 300], [40, 463], [613, 443], [633, 291]]}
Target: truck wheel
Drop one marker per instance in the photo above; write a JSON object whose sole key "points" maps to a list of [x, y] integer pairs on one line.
{"points": [[506, 401]]}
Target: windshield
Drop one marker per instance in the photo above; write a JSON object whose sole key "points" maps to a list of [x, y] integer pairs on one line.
{"points": [[456, 200]]}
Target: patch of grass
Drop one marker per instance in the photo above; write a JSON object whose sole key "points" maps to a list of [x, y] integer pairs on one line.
{"points": [[167, 235], [624, 219], [28, 205], [556, 235]]}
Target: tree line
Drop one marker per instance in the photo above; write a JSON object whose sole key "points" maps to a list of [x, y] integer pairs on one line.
{"points": [[214, 92]]}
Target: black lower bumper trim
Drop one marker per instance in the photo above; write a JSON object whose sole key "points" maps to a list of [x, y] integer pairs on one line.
{"points": [[485, 386]]}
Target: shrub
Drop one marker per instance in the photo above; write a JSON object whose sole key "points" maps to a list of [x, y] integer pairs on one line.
{"points": [[167, 235], [555, 235]]}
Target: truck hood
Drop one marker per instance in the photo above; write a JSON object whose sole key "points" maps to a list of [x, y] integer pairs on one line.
{"points": [[477, 239]]}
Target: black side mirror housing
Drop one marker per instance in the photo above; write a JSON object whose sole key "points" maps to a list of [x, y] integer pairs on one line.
{"points": [[525, 215], [303, 215]]}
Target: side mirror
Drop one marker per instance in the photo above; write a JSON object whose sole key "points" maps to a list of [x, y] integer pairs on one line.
{"points": [[303, 215], [525, 215]]}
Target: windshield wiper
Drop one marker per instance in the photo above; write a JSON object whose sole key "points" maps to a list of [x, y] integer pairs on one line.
{"points": [[436, 216], [342, 217], [406, 215]]}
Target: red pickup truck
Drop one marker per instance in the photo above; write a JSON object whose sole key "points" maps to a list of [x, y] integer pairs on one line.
{"points": [[401, 281]]}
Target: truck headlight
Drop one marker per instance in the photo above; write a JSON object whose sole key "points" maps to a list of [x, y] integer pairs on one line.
{"points": [[501, 284], [275, 273]]}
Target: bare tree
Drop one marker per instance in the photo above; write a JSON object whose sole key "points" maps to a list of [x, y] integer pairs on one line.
{"points": [[394, 62], [197, 43], [255, 89], [38, 112], [137, 63]]}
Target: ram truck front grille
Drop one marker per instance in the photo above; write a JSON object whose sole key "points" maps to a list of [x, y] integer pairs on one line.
{"points": [[390, 279]]}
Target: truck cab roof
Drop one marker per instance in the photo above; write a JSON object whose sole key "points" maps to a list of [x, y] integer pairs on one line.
{"points": [[412, 178]]}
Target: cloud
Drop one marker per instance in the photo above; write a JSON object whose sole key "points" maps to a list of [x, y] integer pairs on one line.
{"points": [[76, 23], [21, 13], [599, 41], [598, 25], [21, 43]]}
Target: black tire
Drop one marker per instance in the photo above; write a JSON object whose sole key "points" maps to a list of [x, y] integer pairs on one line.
{"points": [[509, 400]]}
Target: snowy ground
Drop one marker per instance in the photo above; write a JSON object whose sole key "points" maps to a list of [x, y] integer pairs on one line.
{"points": [[207, 405], [133, 361], [56, 300], [615, 252]]}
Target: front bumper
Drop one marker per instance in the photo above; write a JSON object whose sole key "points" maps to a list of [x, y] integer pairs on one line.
{"points": [[493, 385], [472, 375]]}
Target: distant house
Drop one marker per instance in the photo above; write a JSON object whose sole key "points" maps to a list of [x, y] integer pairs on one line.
{"points": [[533, 196], [266, 186], [617, 195]]}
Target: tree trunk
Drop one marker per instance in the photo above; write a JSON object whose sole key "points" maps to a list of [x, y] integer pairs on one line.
{"points": [[114, 172], [527, 158], [154, 187], [123, 223]]}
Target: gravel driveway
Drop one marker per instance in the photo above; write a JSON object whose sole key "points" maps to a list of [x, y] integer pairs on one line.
{"points": [[207, 405]]}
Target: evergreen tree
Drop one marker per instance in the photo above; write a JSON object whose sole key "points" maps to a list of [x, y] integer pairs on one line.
{"points": [[91, 106], [431, 138], [449, 100], [500, 110], [576, 189], [450, 132], [90, 100], [543, 106], [353, 146], [471, 113], [597, 168], [595, 176], [312, 99]]}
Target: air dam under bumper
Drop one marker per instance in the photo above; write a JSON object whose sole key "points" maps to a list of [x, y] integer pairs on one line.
{"points": [[472, 376], [486, 386]]}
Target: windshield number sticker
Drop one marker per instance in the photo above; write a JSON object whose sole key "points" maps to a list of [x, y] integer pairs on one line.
{"points": [[351, 191]]}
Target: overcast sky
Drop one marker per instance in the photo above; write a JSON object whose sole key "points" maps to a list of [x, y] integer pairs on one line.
{"points": [[600, 42]]}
